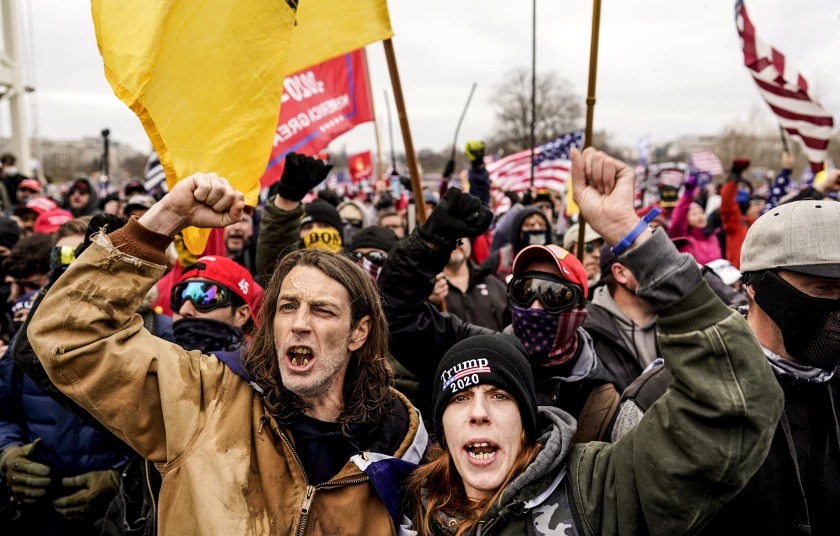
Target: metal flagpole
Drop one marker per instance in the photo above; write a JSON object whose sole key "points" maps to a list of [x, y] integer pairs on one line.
{"points": [[590, 106], [533, 87], [379, 171], [457, 130], [410, 157]]}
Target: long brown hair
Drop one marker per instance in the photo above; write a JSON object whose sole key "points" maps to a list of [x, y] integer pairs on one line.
{"points": [[368, 377], [444, 489]]}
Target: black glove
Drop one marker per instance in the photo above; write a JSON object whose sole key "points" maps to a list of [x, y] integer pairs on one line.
{"points": [[301, 174], [458, 215]]}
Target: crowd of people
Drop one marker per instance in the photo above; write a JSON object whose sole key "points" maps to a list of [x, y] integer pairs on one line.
{"points": [[322, 368]]}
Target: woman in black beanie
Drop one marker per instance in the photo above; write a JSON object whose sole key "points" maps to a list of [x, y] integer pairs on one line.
{"points": [[496, 448]]}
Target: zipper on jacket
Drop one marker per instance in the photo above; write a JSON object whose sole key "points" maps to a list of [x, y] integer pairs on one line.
{"points": [[304, 508], [294, 453], [484, 526], [346, 482], [151, 496]]}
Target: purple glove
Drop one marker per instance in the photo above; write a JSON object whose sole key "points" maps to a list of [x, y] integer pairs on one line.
{"points": [[691, 182]]}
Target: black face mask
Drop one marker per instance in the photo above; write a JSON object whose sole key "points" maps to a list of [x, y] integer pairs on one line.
{"points": [[207, 335], [534, 238], [810, 326]]}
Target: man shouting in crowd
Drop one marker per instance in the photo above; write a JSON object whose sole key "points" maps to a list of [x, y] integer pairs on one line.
{"points": [[284, 445]]}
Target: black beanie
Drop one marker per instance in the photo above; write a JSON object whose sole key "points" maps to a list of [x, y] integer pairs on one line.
{"points": [[498, 360], [322, 212], [374, 237]]}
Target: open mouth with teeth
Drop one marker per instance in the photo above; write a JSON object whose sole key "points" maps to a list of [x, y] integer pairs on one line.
{"points": [[300, 356], [483, 450]]}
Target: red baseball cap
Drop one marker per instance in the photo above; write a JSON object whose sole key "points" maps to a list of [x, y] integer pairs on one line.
{"points": [[569, 266], [230, 274], [31, 184], [50, 221], [39, 205]]}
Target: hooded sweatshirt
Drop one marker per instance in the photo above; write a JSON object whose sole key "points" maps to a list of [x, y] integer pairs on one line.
{"points": [[501, 262], [641, 340], [92, 206]]}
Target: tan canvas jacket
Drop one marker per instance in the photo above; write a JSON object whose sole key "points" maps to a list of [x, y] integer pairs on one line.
{"points": [[227, 467]]}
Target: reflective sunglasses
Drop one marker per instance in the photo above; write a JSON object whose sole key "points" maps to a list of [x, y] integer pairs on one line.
{"points": [[376, 257], [205, 295], [61, 256], [555, 294]]}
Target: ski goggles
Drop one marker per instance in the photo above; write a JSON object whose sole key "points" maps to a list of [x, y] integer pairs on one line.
{"points": [[205, 295], [376, 257], [555, 294]]}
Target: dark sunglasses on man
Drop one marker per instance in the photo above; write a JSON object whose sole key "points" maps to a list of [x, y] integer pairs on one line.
{"points": [[376, 257], [555, 294], [205, 295]]}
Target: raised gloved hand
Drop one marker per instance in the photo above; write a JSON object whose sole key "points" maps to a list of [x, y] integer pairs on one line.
{"points": [[458, 215], [98, 487], [27, 480], [301, 174], [691, 182]]}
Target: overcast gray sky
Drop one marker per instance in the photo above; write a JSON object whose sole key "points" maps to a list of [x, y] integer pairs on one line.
{"points": [[665, 68]]}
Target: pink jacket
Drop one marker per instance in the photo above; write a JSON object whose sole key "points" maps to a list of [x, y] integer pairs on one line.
{"points": [[703, 248]]}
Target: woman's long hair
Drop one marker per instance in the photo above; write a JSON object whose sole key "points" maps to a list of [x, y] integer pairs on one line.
{"points": [[436, 488], [366, 384]]}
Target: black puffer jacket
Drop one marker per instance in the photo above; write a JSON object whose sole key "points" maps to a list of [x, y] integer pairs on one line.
{"points": [[484, 303]]}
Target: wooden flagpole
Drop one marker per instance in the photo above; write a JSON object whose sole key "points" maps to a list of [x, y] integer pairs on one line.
{"points": [[590, 106], [410, 156], [379, 170]]}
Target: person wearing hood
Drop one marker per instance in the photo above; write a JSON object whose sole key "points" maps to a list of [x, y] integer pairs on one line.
{"points": [[689, 221], [354, 217], [505, 465], [546, 295], [530, 227], [622, 324], [81, 198]]}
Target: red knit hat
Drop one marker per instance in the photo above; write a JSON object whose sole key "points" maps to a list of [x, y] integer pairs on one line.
{"points": [[569, 266]]}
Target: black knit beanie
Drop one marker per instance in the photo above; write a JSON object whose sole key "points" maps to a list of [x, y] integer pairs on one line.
{"points": [[374, 237], [498, 360], [10, 232], [322, 212]]}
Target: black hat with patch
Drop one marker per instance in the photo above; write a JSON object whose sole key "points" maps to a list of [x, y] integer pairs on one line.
{"points": [[499, 360]]}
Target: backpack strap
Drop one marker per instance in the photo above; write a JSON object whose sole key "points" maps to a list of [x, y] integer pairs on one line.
{"points": [[597, 413]]}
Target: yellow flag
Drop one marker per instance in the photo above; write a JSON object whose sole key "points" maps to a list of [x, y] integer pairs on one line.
{"points": [[329, 28], [571, 207], [205, 79]]}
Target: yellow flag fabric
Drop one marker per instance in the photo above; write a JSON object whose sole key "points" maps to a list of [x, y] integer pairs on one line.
{"points": [[205, 79], [329, 28], [572, 208]]}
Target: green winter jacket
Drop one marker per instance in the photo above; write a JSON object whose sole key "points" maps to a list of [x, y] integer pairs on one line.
{"points": [[279, 235], [694, 449]]}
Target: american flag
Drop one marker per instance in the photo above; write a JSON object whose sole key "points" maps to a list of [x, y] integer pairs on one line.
{"points": [[786, 91], [705, 162], [552, 166]]}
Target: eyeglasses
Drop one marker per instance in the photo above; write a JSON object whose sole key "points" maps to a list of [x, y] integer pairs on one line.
{"points": [[376, 257], [555, 294], [205, 295], [80, 191], [61, 256]]}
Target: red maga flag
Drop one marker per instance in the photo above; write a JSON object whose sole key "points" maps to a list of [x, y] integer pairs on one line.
{"points": [[318, 105], [361, 166], [786, 91]]}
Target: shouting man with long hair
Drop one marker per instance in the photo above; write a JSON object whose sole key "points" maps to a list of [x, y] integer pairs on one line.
{"points": [[305, 436]]}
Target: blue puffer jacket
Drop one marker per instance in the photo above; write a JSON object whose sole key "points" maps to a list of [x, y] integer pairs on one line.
{"points": [[70, 447]]}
